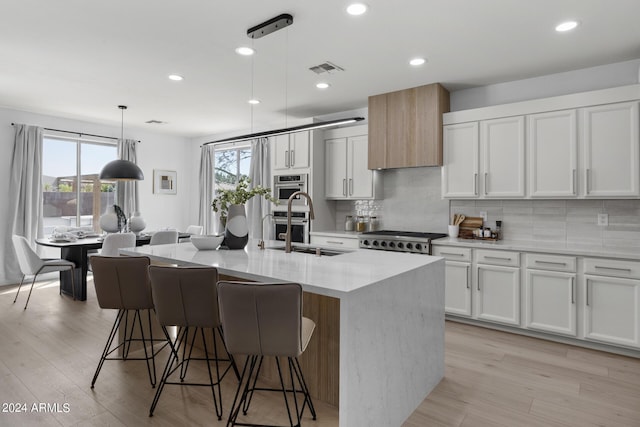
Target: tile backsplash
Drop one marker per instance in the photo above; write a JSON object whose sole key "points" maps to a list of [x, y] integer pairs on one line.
{"points": [[571, 221]]}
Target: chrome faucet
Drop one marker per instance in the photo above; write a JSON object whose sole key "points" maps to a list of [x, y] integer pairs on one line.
{"points": [[287, 235], [261, 242]]}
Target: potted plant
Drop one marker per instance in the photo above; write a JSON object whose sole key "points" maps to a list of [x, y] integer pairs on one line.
{"points": [[231, 205]]}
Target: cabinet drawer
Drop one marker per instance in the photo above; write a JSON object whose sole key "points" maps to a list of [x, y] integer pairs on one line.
{"points": [[452, 253], [612, 267], [551, 262], [484, 256], [340, 242]]}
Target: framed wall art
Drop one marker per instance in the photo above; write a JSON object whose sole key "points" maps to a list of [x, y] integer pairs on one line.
{"points": [[164, 182]]}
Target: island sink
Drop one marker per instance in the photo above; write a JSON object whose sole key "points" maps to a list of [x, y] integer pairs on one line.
{"points": [[312, 251]]}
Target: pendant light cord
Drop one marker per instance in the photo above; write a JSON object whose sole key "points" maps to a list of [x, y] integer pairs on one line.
{"points": [[286, 78], [122, 108]]}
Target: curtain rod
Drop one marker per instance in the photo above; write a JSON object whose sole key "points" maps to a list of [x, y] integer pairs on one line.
{"points": [[301, 128], [81, 133]]}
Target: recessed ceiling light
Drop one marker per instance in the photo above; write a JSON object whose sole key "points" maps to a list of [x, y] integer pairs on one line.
{"points": [[417, 61], [356, 9], [322, 85], [175, 77], [245, 51], [254, 101], [566, 26]]}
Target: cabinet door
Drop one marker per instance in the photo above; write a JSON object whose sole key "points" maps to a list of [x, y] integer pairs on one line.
{"points": [[281, 152], [502, 147], [553, 154], [498, 294], [457, 298], [299, 150], [611, 155], [460, 168], [335, 168], [550, 301], [612, 310], [359, 177]]}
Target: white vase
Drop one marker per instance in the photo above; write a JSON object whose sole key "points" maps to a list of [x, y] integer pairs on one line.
{"points": [[109, 220], [236, 234], [137, 223]]}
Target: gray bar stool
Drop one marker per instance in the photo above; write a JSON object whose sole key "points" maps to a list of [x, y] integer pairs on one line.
{"points": [[265, 319], [122, 283], [186, 297]]}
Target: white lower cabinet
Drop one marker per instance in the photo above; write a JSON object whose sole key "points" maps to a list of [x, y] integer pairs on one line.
{"points": [[338, 242], [498, 294], [457, 297]]}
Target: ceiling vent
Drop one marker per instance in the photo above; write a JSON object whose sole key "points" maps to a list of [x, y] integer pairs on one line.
{"points": [[326, 67], [154, 122]]}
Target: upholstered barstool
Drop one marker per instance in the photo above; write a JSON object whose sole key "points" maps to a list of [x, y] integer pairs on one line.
{"points": [[122, 283], [186, 297], [265, 319]]}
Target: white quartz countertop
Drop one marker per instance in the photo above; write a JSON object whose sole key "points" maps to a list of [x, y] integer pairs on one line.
{"points": [[546, 247], [325, 275], [337, 233]]}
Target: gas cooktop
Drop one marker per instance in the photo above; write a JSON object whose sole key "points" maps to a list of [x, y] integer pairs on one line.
{"points": [[399, 241]]}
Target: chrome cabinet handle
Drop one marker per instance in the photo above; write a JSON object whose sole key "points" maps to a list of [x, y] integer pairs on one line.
{"points": [[573, 182], [293, 157], [350, 186], [335, 242], [475, 184], [450, 253], [498, 257], [551, 262], [587, 292], [478, 284], [628, 270], [573, 290], [486, 188], [588, 181], [468, 278], [344, 186], [286, 158]]}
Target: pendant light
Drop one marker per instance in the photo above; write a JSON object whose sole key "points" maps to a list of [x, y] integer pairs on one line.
{"points": [[122, 170], [261, 30]]}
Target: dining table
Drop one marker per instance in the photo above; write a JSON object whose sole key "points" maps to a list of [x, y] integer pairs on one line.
{"points": [[77, 251]]}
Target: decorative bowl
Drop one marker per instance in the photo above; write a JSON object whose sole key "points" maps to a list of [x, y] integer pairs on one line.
{"points": [[207, 242]]}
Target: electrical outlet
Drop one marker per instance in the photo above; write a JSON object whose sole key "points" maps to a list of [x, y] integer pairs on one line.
{"points": [[603, 219], [483, 214]]}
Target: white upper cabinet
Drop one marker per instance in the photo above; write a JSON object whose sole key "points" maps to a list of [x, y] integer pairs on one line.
{"points": [[553, 154], [291, 151], [460, 158], [502, 166], [346, 172], [611, 152]]}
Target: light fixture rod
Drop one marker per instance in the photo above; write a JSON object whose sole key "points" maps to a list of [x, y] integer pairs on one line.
{"points": [[294, 129], [270, 26]]}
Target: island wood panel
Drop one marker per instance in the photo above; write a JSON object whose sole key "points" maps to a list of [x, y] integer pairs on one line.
{"points": [[321, 360]]}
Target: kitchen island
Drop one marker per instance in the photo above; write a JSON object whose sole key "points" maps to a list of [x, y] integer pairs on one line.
{"points": [[390, 322]]}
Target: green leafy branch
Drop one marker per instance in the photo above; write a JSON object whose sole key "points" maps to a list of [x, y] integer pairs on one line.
{"points": [[239, 195]]}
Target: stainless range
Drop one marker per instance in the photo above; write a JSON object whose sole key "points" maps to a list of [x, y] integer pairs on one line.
{"points": [[399, 241]]}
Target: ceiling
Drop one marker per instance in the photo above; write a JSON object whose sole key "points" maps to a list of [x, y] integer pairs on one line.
{"points": [[80, 59]]}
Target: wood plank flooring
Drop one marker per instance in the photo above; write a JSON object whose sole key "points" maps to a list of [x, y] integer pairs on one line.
{"points": [[49, 352]]}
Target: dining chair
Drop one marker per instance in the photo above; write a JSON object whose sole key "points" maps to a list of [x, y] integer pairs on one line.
{"points": [[31, 264], [164, 237], [113, 242], [265, 319], [192, 230]]}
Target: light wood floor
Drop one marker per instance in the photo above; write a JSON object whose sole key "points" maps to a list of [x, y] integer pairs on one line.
{"points": [[49, 352]]}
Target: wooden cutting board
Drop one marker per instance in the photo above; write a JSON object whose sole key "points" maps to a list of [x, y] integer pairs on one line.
{"points": [[469, 224]]}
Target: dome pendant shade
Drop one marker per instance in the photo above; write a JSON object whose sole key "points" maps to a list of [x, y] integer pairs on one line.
{"points": [[123, 170]]}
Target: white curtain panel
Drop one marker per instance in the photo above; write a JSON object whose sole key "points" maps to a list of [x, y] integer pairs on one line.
{"points": [[260, 174], [24, 199], [127, 191], [207, 189]]}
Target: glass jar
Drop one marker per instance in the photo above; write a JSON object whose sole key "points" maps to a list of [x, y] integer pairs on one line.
{"points": [[374, 224], [360, 224], [348, 223]]}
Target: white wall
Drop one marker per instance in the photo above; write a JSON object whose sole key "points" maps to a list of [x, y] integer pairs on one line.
{"points": [[156, 151]]}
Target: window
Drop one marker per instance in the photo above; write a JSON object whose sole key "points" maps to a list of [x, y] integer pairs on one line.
{"points": [[73, 195], [231, 164]]}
